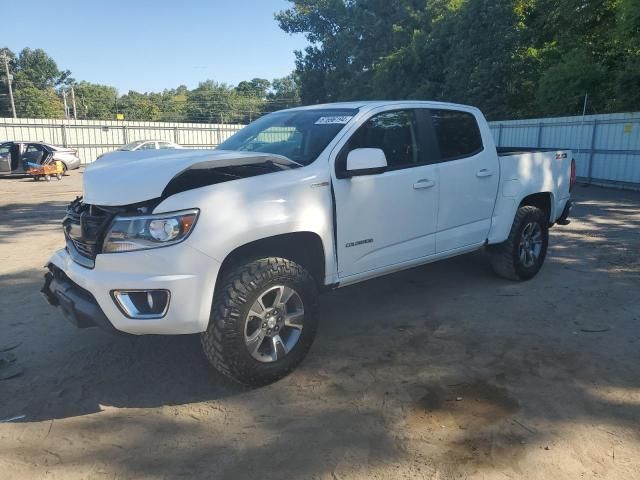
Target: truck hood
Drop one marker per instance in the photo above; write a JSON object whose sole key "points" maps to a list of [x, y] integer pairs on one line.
{"points": [[125, 178]]}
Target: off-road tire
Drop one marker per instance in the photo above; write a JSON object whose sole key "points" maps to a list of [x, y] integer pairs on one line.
{"points": [[505, 258], [223, 342]]}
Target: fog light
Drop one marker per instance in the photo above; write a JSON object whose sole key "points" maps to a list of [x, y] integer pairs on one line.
{"points": [[142, 304]]}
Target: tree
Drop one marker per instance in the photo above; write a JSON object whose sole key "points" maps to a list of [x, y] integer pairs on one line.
{"points": [[564, 84], [96, 102], [139, 106], [257, 87], [38, 68], [210, 102], [285, 93], [35, 77], [347, 41], [33, 102], [512, 58], [628, 34], [173, 103]]}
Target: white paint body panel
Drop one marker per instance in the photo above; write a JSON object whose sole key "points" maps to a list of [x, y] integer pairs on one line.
{"points": [[525, 174], [408, 225], [395, 227], [468, 188], [187, 273], [124, 178]]}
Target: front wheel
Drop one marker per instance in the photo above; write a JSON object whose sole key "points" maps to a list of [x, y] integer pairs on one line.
{"points": [[521, 256], [263, 321]]}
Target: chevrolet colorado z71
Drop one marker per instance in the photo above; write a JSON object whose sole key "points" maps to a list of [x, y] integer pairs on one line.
{"points": [[235, 243]]}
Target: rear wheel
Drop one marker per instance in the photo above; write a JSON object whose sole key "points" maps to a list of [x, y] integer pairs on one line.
{"points": [[521, 256], [263, 321]]}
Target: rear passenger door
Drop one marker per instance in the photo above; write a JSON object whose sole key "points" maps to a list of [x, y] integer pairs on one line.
{"points": [[468, 180], [34, 153]]}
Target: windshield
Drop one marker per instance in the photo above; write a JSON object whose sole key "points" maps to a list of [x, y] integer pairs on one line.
{"points": [[132, 145], [299, 135]]}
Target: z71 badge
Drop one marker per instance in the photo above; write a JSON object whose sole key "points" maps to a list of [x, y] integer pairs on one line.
{"points": [[359, 242]]}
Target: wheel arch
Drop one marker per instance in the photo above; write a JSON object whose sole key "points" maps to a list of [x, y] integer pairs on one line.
{"points": [[542, 200], [304, 247]]}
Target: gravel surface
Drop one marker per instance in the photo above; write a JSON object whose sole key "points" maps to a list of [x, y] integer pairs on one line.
{"points": [[444, 371]]}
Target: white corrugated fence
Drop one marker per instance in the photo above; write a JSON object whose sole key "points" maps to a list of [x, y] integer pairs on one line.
{"points": [[94, 137]]}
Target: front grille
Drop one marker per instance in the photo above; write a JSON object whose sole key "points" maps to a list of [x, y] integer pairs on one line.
{"points": [[84, 227]]}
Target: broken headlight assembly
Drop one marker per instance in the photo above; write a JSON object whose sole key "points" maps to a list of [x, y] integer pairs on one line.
{"points": [[141, 232]]}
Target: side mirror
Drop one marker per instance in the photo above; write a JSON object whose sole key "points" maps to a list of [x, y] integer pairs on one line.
{"points": [[366, 161]]}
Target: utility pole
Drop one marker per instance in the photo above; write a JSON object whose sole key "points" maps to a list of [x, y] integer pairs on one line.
{"points": [[9, 79], [73, 102], [66, 107], [67, 110]]}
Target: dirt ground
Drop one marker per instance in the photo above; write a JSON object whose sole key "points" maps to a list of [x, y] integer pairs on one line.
{"points": [[440, 372]]}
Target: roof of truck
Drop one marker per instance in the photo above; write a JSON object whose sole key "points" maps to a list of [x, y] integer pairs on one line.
{"points": [[378, 103]]}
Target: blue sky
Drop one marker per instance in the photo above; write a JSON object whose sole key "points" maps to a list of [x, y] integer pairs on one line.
{"points": [[151, 45]]}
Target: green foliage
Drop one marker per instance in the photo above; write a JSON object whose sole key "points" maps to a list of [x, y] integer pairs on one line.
{"points": [[34, 102], [139, 106], [39, 69], [564, 83], [285, 93], [512, 58], [258, 87], [95, 101], [35, 78]]}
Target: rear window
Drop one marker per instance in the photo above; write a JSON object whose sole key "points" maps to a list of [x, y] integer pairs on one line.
{"points": [[457, 133]]}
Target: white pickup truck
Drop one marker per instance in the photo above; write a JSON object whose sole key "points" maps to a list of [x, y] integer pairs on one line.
{"points": [[235, 243]]}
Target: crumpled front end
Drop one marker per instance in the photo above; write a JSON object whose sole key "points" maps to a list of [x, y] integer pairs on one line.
{"points": [[153, 291]]}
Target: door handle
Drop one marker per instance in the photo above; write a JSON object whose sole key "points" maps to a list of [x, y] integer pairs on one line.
{"points": [[485, 172], [423, 183]]}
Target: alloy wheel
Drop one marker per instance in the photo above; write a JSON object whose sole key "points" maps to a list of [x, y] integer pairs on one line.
{"points": [[274, 324]]}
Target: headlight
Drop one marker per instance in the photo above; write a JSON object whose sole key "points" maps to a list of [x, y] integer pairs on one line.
{"points": [[140, 232]]}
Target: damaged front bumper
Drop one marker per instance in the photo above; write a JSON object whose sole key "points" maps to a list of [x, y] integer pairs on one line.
{"points": [[89, 297], [77, 304]]}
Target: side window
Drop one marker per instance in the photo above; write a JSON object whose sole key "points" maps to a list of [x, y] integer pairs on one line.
{"points": [[457, 133], [396, 133], [33, 148], [165, 145], [148, 146], [5, 149]]}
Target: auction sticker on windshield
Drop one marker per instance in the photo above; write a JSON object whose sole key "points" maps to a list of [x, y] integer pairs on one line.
{"points": [[333, 120]]}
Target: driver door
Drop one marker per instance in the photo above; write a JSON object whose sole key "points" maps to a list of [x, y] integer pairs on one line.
{"points": [[386, 219]]}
